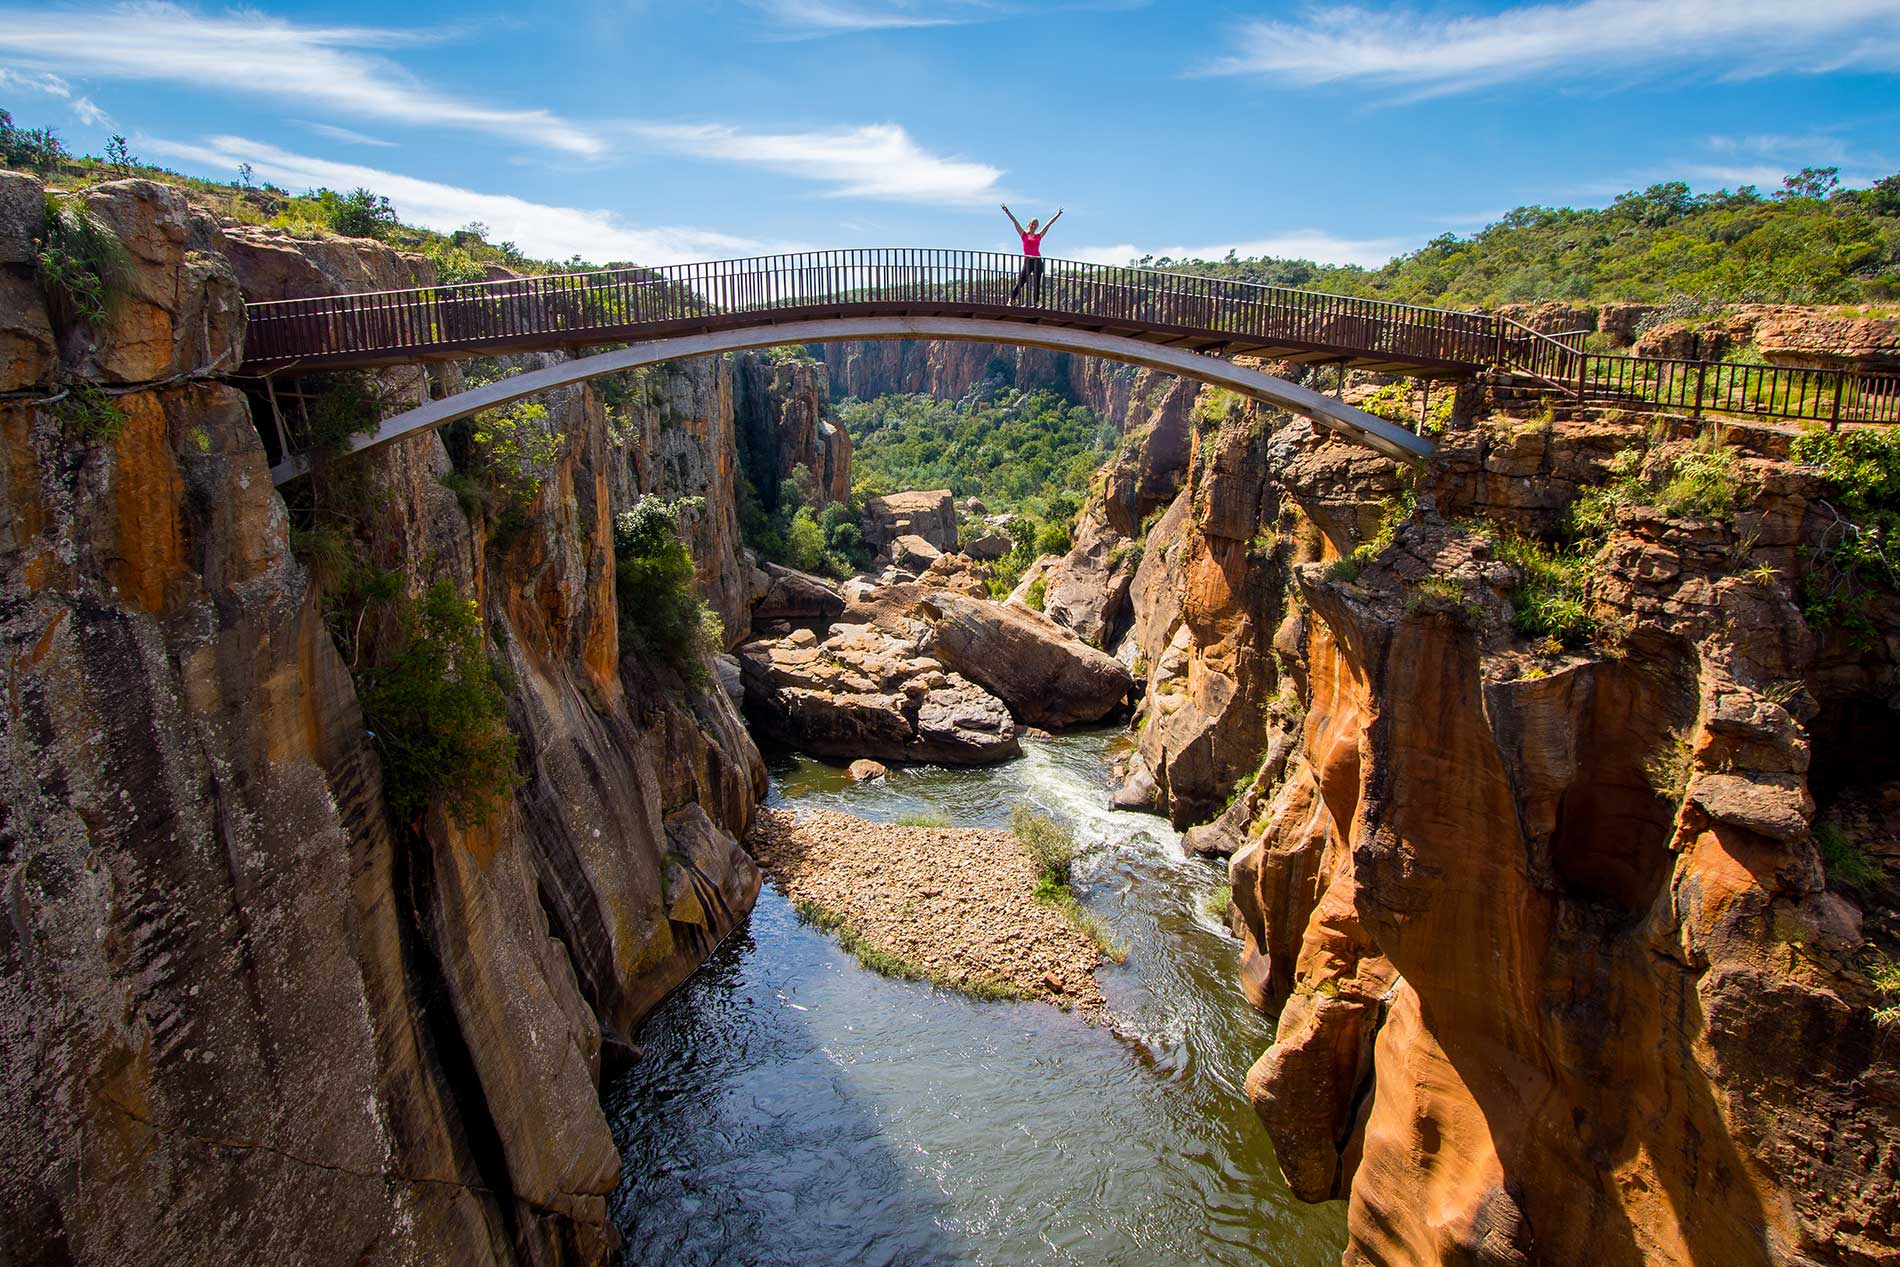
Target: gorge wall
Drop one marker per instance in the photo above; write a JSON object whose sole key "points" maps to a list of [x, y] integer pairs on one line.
{"points": [[1559, 974], [255, 1016]]}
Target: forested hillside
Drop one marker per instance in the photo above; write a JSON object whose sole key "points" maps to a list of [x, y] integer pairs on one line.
{"points": [[1812, 241]]}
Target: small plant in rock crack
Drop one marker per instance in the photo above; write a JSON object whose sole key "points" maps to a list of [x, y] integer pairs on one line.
{"points": [[83, 268]]}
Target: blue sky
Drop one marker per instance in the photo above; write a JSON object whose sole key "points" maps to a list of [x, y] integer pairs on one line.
{"points": [[660, 131]]}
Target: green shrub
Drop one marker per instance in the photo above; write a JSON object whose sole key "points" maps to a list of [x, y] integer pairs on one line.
{"points": [[1049, 844], [1553, 598], [1037, 595], [805, 541], [1214, 902], [1443, 596], [436, 713], [357, 214], [88, 415], [29, 149], [1846, 862], [83, 268], [660, 612], [347, 405], [1860, 477], [514, 452]]}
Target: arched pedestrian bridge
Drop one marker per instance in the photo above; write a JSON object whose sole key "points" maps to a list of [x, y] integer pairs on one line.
{"points": [[1179, 323]]}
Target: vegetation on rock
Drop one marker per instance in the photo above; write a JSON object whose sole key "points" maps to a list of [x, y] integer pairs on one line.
{"points": [[435, 708], [660, 611], [805, 532], [1860, 474], [83, 268]]}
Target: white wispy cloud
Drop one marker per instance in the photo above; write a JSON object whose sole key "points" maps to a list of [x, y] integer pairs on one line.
{"points": [[349, 136], [878, 161], [541, 229], [50, 85], [826, 17], [1432, 54], [254, 53], [1300, 244]]}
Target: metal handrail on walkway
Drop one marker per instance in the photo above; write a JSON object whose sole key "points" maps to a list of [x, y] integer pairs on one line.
{"points": [[1220, 316]]}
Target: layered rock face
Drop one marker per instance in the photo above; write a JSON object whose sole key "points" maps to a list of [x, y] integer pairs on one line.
{"points": [[1558, 977], [254, 1020], [783, 407]]}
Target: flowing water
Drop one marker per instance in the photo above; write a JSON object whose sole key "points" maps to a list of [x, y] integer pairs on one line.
{"points": [[793, 1108]]}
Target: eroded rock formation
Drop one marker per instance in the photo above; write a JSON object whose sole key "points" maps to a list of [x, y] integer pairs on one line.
{"points": [[254, 1017]]}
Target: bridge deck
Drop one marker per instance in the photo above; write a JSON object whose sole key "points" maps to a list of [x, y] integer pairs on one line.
{"points": [[624, 305], [1215, 316]]}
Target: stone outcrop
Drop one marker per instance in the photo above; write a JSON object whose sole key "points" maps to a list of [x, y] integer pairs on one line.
{"points": [[795, 599], [254, 1018], [783, 411], [181, 311], [1800, 336], [1557, 974], [931, 515], [1047, 676], [868, 692]]}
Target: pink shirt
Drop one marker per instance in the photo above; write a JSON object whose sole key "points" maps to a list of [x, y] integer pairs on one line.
{"points": [[1032, 242]]}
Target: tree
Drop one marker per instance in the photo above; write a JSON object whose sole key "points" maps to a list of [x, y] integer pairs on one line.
{"points": [[1811, 182], [119, 154], [245, 175], [1884, 198], [30, 149], [357, 214]]}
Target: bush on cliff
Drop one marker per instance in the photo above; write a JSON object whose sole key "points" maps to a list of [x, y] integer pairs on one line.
{"points": [[660, 612], [29, 149], [435, 711], [83, 267], [357, 214], [805, 532], [1855, 559]]}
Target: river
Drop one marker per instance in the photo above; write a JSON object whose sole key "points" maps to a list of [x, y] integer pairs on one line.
{"points": [[791, 1107]]}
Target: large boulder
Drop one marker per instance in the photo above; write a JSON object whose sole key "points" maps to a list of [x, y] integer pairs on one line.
{"points": [[1802, 337], [1047, 676], [182, 311], [1620, 320], [866, 691], [930, 515], [913, 553], [796, 598]]}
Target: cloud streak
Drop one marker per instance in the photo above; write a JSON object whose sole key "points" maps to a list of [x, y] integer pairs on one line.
{"points": [[542, 230], [248, 52], [812, 18], [1431, 55], [878, 161]]}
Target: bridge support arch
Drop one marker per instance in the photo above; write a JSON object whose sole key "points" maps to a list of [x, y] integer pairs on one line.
{"points": [[1354, 424]]}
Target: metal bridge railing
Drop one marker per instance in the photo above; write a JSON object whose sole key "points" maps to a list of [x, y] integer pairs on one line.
{"points": [[626, 304]]}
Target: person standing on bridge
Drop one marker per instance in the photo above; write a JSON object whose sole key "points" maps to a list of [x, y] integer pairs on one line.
{"points": [[1032, 253]]}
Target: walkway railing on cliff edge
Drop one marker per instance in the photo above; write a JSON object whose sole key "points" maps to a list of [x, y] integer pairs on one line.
{"points": [[1208, 314]]}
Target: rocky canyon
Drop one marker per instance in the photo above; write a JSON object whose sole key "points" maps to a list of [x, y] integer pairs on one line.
{"points": [[1559, 818]]}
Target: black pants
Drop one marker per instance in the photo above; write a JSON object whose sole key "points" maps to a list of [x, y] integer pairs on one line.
{"points": [[1032, 274]]}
